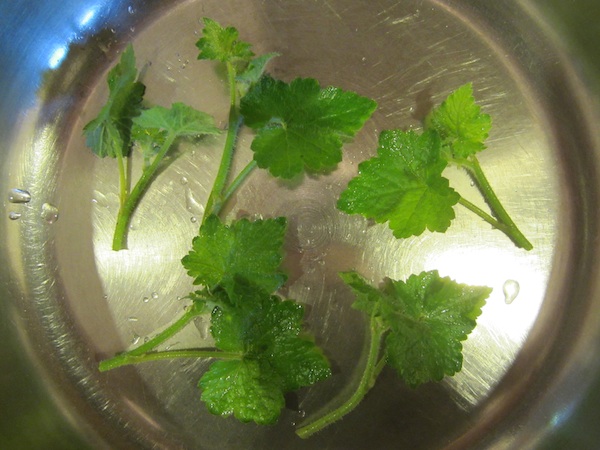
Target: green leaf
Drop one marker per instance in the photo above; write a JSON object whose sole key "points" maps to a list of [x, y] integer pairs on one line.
{"points": [[249, 249], [277, 357], [179, 121], [148, 140], [301, 126], [109, 134], [367, 297], [460, 122], [222, 44], [427, 318], [253, 73], [242, 389], [403, 185]]}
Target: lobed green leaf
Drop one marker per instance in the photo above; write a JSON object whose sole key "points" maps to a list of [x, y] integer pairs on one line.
{"points": [[403, 185], [426, 318], [275, 355], [109, 134], [460, 123], [301, 126], [252, 250], [222, 44]]}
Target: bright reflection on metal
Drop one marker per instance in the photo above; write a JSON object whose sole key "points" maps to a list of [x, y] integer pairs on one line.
{"points": [[57, 57], [88, 16]]}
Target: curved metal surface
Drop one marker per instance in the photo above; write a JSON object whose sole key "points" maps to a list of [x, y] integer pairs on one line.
{"points": [[68, 300]]}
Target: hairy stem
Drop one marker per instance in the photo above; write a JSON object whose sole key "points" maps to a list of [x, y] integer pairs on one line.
{"points": [[235, 184], [126, 357], [481, 213], [504, 222], [129, 359], [132, 200], [373, 368], [216, 199]]}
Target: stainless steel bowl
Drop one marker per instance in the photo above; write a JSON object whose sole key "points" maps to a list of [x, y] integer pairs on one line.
{"points": [[532, 367]]}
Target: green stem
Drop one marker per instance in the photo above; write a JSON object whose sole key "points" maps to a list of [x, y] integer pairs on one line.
{"points": [[146, 347], [235, 184], [481, 213], [216, 199], [372, 369], [132, 200], [508, 227], [123, 182], [129, 359]]}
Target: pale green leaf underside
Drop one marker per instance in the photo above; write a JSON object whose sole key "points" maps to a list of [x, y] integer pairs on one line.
{"points": [[179, 120]]}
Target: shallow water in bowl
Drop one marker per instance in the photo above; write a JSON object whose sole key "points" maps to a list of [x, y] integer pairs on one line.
{"points": [[407, 56]]}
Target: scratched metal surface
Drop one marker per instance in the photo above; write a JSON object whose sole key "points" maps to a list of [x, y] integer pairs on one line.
{"points": [[79, 301]]}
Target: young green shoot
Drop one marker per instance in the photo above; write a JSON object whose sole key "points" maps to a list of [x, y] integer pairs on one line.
{"points": [[122, 123], [261, 349], [404, 186], [416, 327]]}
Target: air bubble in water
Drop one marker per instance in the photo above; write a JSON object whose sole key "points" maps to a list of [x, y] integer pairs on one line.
{"points": [[19, 196], [130, 10], [14, 215], [511, 290], [203, 326], [49, 213]]}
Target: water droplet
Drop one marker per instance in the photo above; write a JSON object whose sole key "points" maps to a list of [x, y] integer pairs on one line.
{"points": [[132, 319], [191, 204], [136, 339], [301, 413], [183, 180], [193, 219], [49, 213], [511, 289], [14, 215], [130, 10], [146, 339], [100, 199], [146, 299], [19, 196], [155, 295], [170, 346]]}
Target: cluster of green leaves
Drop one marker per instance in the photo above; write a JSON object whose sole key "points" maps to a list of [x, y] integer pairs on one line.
{"points": [[261, 349], [416, 327], [404, 184], [123, 123]]}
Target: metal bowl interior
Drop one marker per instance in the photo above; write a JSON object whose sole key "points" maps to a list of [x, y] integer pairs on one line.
{"points": [[69, 300]]}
